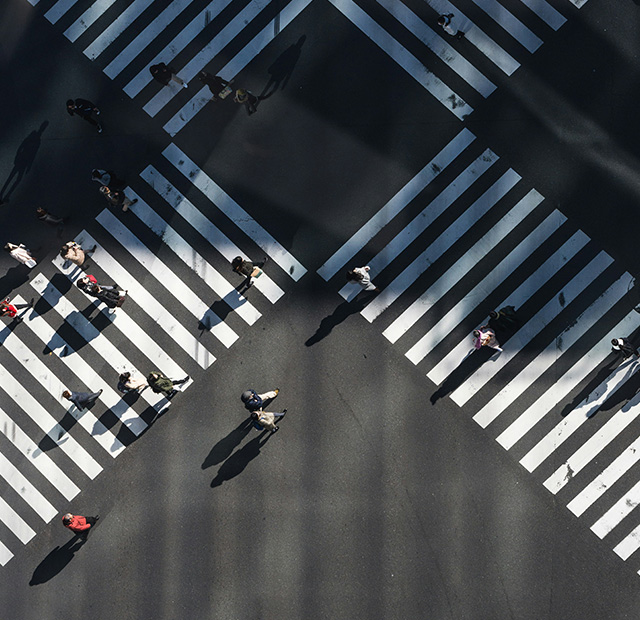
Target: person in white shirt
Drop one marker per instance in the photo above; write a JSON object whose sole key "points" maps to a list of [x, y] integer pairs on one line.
{"points": [[21, 254], [445, 21], [360, 275]]}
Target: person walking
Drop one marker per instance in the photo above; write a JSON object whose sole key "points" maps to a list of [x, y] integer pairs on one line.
{"points": [[161, 384], [624, 346], [503, 318], [110, 295], [117, 198], [163, 74], [82, 400], [248, 269], [108, 178], [254, 401], [11, 310], [445, 21], [48, 218], [360, 275], [248, 99], [485, 337], [266, 420], [78, 524], [132, 382], [219, 88], [84, 109], [21, 254], [74, 253]]}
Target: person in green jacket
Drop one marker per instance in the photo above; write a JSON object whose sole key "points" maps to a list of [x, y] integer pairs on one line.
{"points": [[161, 384]]}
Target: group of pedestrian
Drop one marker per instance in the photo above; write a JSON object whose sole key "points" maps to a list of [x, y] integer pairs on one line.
{"points": [[109, 294], [157, 381], [254, 403]]}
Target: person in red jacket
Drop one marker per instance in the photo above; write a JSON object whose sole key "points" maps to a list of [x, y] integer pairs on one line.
{"points": [[78, 524], [11, 310]]}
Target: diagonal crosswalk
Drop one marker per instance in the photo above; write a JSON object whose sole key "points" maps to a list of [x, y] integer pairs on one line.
{"points": [[480, 241], [182, 308]]}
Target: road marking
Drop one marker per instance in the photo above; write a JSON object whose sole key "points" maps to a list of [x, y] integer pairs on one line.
{"points": [[87, 19], [16, 524], [510, 23], [546, 13], [59, 9]]}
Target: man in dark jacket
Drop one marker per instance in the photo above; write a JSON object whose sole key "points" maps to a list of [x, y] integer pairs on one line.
{"points": [[164, 75], [161, 384], [82, 400], [84, 109]]}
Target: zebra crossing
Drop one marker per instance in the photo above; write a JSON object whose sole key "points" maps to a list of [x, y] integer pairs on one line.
{"points": [[466, 235], [182, 310], [120, 37]]}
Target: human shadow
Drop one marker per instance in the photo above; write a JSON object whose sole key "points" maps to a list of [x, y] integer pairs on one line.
{"points": [[22, 161], [281, 69], [237, 462], [59, 286], [223, 449], [55, 562], [340, 314], [473, 360]]}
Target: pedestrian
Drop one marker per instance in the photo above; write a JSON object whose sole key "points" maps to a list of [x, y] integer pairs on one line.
{"points": [[108, 178], [21, 254], [48, 218], [84, 109], [78, 524], [74, 253], [11, 310], [161, 384], [485, 337], [360, 275], [254, 401], [82, 400], [248, 99], [132, 382], [219, 88], [117, 198], [266, 420], [503, 318], [107, 294], [624, 346], [248, 269], [164, 75], [445, 22]]}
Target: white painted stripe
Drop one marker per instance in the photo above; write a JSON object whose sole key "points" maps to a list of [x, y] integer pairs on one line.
{"points": [[139, 44], [237, 63], [95, 339], [37, 369], [170, 281], [536, 324], [578, 416], [15, 523], [206, 228], [33, 3], [52, 340], [39, 459], [561, 387], [5, 554], [424, 219], [59, 9], [48, 424], [115, 29], [408, 193], [610, 519], [207, 54], [404, 58], [533, 283], [154, 309], [439, 47], [598, 442], [470, 258], [26, 490], [510, 23], [630, 544], [597, 487], [448, 238], [87, 19], [546, 12], [178, 44], [476, 37], [489, 283], [195, 261], [579, 3], [234, 212]]}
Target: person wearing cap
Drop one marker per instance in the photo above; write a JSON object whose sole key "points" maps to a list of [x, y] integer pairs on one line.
{"points": [[78, 524], [247, 98], [254, 401], [624, 346]]}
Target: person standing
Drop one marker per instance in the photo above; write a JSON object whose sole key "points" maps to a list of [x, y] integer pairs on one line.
{"points": [[360, 275], [445, 21], [164, 75], [82, 400], [248, 99], [216, 84], [132, 382], [161, 384], [254, 401], [485, 337], [266, 420], [624, 346], [11, 310], [78, 524], [117, 197], [21, 254], [248, 269], [74, 253], [84, 109], [48, 218]]}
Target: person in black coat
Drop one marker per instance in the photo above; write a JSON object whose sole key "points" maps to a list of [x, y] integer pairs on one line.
{"points": [[624, 346], [215, 83], [82, 400], [164, 74], [84, 109]]}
